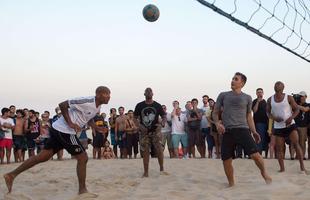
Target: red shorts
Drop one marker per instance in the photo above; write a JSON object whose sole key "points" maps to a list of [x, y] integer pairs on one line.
{"points": [[6, 143]]}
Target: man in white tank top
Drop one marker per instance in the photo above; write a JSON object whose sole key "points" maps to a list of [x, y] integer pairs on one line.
{"points": [[282, 108]]}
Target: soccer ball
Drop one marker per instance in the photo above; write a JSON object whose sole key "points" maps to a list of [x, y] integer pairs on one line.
{"points": [[150, 13]]}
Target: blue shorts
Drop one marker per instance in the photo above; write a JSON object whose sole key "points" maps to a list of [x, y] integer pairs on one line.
{"points": [[177, 138], [112, 135], [122, 140]]}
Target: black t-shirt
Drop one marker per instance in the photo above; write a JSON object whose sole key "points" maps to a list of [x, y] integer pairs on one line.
{"points": [[302, 119], [195, 124], [261, 115], [148, 114]]}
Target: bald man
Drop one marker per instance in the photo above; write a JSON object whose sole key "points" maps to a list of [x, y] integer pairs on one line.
{"points": [[76, 113], [283, 109]]}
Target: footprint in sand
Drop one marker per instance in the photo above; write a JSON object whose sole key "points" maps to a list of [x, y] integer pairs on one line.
{"points": [[85, 196], [301, 182], [53, 181], [133, 183], [16, 197]]}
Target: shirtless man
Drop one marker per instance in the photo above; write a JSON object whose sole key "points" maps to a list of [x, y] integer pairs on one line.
{"points": [[18, 136], [282, 108], [132, 134], [120, 130]]}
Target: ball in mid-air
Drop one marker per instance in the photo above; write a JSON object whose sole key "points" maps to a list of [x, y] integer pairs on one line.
{"points": [[150, 13]]}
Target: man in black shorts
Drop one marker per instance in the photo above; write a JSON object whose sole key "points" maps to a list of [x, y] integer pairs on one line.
{"points": [[76, 113], [283, 109], [237, 126]]}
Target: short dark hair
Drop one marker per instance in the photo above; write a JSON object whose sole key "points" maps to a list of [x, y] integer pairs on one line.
{"points": [[121, 107], [11, 106], [259, 89], [103, 89], [37, 113], [20, 111], [111, 110], [47, 112], [4, 110], [130, 111], [243, 77], [194, 99], [210, 99], [205, 96], [176, 101], [32, 111]]}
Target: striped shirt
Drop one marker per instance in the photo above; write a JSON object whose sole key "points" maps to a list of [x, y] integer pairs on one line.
{"points": [[81, 110]]}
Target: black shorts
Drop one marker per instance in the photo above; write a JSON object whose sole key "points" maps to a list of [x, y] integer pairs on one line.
{"points": [[237, 136], [31, 144], [19, 142], [194, 137], [59, 140], [98, 140], [285, 132]]}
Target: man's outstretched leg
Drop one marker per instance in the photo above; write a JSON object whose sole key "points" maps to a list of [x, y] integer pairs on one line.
{"points": [[160, 155], [81, 171], [280, 143], [43, 156], [229, 171], [260, 164], [295, 142], [146, 159]]}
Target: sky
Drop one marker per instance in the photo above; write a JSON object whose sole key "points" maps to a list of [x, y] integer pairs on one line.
{"points": [[51, 51]]}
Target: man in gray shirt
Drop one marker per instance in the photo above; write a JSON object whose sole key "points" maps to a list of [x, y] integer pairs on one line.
{"points": [[237, 126]]}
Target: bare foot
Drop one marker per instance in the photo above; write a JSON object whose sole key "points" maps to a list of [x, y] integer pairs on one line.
{"points": [[267, 178], [82, 191], [9, 181], [164, 173], [88, 195], [281, 170], [145, 175], [231, 185], [85, 195], [305, 172]]}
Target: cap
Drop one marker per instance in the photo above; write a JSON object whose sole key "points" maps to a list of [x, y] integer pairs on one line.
{"points": [[303, 93]]}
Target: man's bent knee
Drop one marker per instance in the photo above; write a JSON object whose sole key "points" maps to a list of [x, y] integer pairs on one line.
{"points": [[82, 158], [255, 156]]}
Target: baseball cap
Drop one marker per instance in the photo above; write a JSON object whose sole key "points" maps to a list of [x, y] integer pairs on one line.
{"points": [[303, 93]]}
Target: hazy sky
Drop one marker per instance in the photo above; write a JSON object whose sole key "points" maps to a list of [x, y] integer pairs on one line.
{"points": [[54, 50]]}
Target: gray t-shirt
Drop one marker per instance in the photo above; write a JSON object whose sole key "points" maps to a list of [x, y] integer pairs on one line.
{"points": [[235, 109]]}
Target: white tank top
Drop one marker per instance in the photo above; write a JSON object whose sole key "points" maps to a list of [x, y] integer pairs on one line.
{"points": [[283, 110]]}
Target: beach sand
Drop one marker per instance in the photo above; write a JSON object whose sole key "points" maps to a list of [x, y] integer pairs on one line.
{"points": [[189, 179]]}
